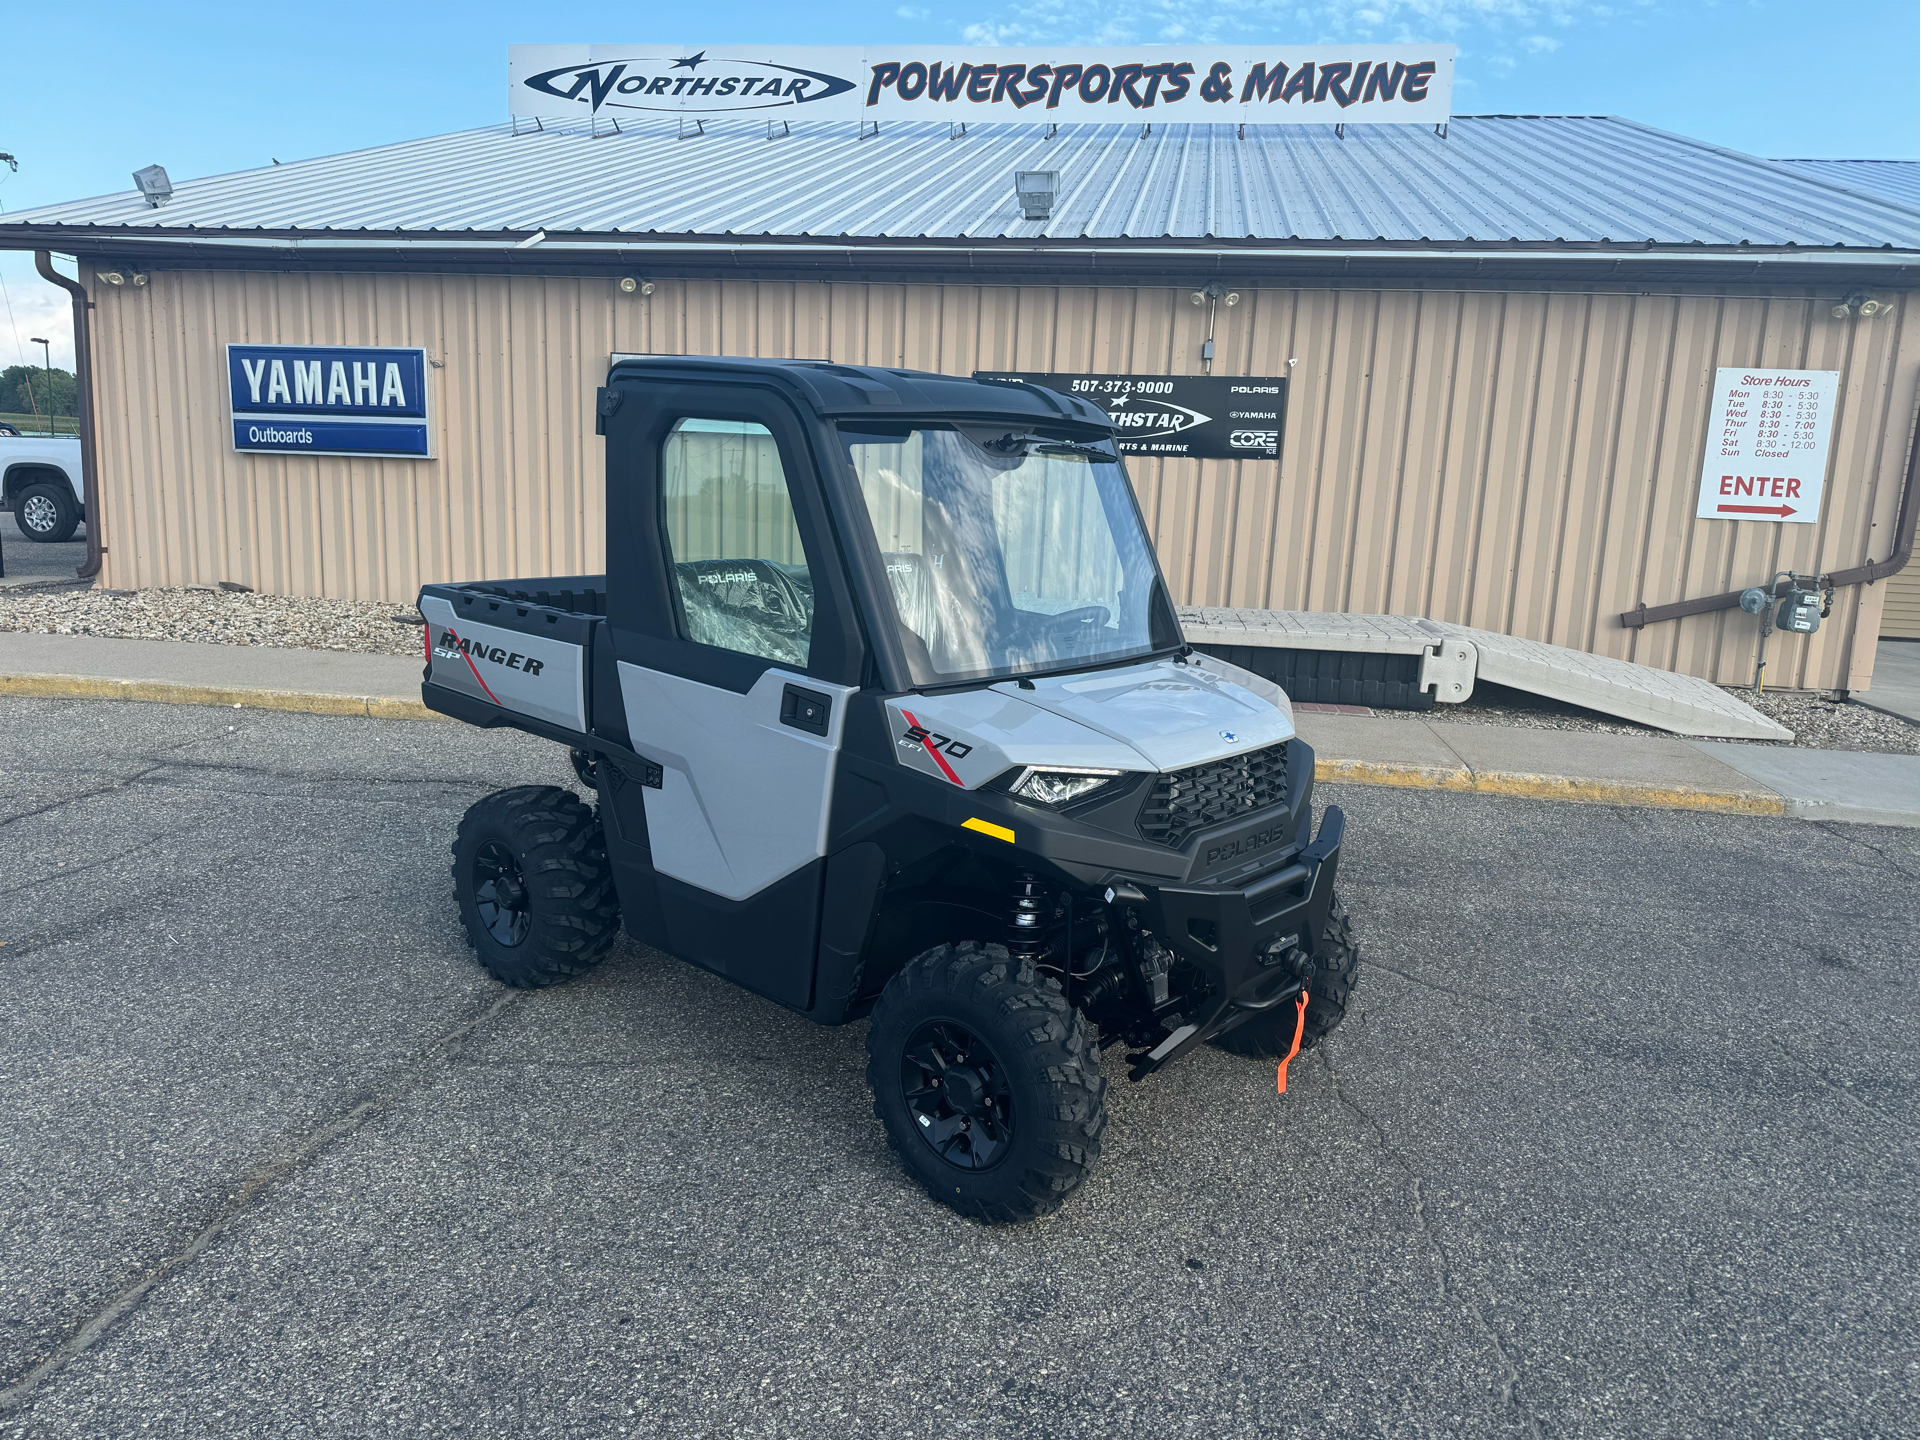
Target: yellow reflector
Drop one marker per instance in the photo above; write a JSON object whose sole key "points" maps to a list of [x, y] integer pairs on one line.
{"points": [[988, 828]]}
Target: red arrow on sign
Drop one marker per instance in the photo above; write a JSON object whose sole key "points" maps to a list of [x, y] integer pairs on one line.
{"points": [[1783, 510]]}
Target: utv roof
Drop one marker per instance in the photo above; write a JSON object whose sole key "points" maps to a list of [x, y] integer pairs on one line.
{"points": [[874, 392]]}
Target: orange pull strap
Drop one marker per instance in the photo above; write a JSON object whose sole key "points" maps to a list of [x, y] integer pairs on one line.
{"points": [[1300, 1025]]}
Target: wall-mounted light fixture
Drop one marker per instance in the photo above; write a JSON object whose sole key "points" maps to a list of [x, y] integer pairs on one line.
{"points": [[152, 183], [1859, 302], [1036, 189], [634, 285]]}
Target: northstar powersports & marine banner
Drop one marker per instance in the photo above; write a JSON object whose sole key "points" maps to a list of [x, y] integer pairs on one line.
{"points": [[1285, 85]]}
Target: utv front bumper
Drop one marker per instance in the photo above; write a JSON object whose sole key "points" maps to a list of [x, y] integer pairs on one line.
{"points": [[1250, 941]]}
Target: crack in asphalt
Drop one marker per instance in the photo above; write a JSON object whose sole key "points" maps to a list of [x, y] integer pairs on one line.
{"points": [[321, 777], [68, 872], [1510, 1373], [1374, 964], [412, 1077], [79, 796], [1845, 831], [157, 761], [1839, 1090]]}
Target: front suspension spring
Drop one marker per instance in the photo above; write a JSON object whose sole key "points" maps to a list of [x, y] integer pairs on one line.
{"points": [[1027, 929]]}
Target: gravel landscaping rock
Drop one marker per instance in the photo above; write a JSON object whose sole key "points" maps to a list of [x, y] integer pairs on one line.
{"points": [[1817, 723], [215, 616]]}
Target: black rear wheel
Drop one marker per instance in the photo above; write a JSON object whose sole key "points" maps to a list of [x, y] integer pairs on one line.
{"points": [[1328, 985], [535, 891], [987, 1082]]}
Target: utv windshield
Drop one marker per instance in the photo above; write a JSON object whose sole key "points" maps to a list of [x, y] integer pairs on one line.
{"points": [[1008, 553]]}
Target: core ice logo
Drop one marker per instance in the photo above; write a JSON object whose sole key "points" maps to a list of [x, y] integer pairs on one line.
{"points": [[686, 84], [1253, 439]]}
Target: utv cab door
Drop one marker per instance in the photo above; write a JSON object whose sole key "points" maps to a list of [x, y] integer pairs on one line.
{"points": [[737, 647]]}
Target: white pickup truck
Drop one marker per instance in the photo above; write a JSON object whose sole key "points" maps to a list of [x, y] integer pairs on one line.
{"points": [[40, 482]]}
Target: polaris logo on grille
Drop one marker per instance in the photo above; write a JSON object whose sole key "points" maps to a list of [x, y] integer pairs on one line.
{"points": [[1246, 845]]}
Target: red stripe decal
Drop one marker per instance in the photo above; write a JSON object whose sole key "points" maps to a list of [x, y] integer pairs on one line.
{"points": [[939, 759], [472, 667]]}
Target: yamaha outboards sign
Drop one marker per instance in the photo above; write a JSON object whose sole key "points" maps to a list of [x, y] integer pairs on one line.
{"points": [[329, 400], [1360, 84], [1197, 417]]}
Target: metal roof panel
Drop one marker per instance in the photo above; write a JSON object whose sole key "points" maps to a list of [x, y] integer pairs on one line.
{"points": [[1540, 179]]}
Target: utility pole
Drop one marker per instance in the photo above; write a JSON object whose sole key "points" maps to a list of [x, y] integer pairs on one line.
{"points": [[46, 355]]}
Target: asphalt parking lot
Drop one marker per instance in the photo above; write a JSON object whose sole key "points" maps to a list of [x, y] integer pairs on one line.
{"points": [[1619, 1140], [26, 562]]}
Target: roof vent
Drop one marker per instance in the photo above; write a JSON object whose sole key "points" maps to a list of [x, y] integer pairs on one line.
{"points": [[154, 185], [1035, 189]]}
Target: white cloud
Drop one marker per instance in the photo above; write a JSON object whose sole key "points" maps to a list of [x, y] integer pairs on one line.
{"points": [[908, 12], [1540, 44], [29, 306]]}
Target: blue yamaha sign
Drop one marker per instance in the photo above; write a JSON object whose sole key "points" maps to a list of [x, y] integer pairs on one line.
{"points": [[329, 399]]}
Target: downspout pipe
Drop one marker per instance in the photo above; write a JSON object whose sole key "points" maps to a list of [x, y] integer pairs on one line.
{"points": [[83, 387], [1855, 575]]}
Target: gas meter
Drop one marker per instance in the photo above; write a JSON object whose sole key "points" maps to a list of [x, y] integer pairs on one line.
{"points": [[1799, 612]]}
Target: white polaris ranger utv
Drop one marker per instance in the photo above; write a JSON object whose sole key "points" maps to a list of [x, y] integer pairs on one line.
{"points": [[887, 711]]}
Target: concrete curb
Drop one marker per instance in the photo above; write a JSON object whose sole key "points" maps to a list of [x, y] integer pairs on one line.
{"points": [[1578, 790], [1552, 788], [83, 687]]}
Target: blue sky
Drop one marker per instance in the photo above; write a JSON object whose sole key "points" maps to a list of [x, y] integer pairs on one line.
{"points": [[205, 88]]}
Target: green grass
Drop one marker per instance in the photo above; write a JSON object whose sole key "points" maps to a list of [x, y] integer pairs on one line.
{"points": [[30, 424]]}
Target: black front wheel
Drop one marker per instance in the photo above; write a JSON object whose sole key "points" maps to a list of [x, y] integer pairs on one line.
{"points": [[1336, 962], [987, 1082], [534, 888]]}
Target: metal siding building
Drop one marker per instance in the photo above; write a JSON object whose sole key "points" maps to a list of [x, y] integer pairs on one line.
{"points": [[1496, 411]]}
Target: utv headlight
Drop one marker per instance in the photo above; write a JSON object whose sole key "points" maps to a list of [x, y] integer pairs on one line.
{"points": [[1057, 785]]}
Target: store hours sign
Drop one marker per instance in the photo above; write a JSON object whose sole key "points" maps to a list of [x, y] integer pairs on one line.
{"points": [[329, 400], [1767, 451], [1197, 417]]}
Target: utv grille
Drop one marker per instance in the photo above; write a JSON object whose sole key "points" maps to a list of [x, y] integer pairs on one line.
{"points": [[1183, 802]]}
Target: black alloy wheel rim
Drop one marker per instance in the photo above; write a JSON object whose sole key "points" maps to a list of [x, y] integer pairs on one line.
{"points": [[958, 1094], [500, 894]]}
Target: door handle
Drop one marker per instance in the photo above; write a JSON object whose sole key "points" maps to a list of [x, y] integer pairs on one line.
{"points": [[804, 710]]}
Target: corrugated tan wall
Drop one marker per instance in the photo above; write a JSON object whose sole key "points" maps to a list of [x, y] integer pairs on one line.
{"points": [[1901, 609], [1520, 461]]}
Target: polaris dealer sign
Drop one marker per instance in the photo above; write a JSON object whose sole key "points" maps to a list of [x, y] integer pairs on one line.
{"points": [[1197, 417], [1359, 84], [329, 400]]}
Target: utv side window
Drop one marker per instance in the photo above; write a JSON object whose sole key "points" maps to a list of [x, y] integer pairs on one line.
{"points": [[739, 569]]}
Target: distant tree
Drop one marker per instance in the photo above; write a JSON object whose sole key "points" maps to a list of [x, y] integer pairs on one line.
{"points": [[27, 390]]}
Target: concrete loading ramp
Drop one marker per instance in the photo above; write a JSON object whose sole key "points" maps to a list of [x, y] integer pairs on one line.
{"points": [[1410, 662]]}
